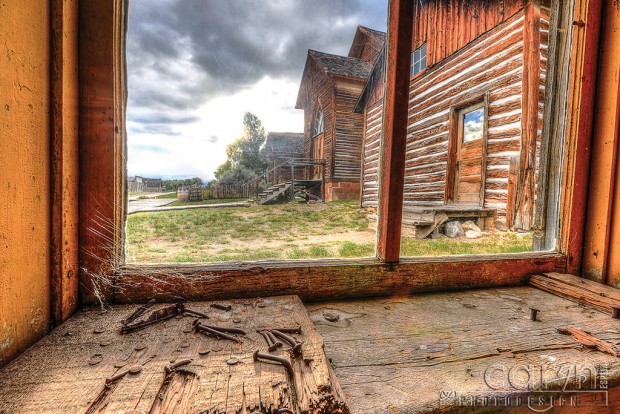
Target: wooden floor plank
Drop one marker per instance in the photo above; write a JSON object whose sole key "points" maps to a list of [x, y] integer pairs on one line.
{"points": [[64, 372], [579, 290], [399, 354]]}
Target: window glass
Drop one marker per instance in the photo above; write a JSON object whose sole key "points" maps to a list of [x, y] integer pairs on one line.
{"points": [[318, 122], [418, 60], [473, 123], [247, 124]]}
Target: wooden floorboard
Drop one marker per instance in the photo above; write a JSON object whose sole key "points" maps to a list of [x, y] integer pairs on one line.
{"points": [[66, 371], [400, 354]]}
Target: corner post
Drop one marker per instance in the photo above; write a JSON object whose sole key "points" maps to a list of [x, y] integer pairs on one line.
{"points": [[394, 132]]}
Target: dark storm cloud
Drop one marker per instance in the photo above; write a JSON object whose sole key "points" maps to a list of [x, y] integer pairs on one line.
{"points": [[181, 53], [165, 119]]}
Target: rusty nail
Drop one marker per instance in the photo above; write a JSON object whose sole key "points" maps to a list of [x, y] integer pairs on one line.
{"points": [[196, 313], [275, 344], [283, 361], [266, 337], [116, 377], [615, 312], [214, 332], [292, 341], [533, 314], [229, 330], [170, 368]]}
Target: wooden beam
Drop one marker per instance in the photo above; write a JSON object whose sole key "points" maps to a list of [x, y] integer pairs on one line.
{"points": [[102, 158], [394, 134], [524, 206], [580, 121], [64, 130], [553, 141], [317, 280], [583, 291], [604, 151]]}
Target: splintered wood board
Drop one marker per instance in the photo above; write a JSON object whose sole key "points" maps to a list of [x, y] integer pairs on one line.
{"points": [[397, 355], [54, 376]]}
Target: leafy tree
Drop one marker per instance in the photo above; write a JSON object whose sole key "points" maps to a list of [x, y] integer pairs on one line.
{"points": [[245, 158], [237, 175], [172, 185]]}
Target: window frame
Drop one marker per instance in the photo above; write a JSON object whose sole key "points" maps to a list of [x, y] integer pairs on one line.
{"points": [[319, 110], [102, 196], [424, 57]]}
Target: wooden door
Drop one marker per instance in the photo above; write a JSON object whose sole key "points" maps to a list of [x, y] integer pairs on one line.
{"points": [[317, 154], [470, 156]]}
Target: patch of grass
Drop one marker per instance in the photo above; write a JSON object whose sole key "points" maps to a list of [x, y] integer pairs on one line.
{"points": [[284, 231], [490, 243], [350, 249], [167, 195], [207, 202]]}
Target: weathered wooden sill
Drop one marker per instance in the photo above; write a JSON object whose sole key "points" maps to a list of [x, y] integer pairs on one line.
{"points": [[317, 280]]}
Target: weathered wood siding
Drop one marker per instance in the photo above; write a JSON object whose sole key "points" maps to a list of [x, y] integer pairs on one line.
{"points": [[348, 132], [448, 25], [372, 148], [492, 65], [322, 88]]}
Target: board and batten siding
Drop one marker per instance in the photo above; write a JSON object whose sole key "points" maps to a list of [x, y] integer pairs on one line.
{"points": [[449, 25], [349, 130], [322, 86]]}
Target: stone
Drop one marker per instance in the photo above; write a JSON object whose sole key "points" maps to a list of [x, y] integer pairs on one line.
{"points": [[500, 225], [470, 225], [473, 234], [331, 316], [453, 229]]}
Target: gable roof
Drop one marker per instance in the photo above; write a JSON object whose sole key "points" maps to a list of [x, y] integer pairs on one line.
{"points": [[342, 65], [364, 36], [374, 80], [284, 144], [334, 65]]}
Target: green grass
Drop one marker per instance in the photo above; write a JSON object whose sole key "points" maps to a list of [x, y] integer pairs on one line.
{"points": [[167, 195], [207, 202], [494, 243], [285, 231]]}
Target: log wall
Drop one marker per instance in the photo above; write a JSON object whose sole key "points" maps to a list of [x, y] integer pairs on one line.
{"points": [[372, 148], [492, 65]]}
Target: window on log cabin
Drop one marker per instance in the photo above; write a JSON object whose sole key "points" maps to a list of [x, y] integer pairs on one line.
{"points": [[260, 155], [318, 122], [418, 60]]}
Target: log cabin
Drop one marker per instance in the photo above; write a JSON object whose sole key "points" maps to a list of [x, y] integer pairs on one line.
{"points": [[330, 87], [473, 139], [402, 335]]}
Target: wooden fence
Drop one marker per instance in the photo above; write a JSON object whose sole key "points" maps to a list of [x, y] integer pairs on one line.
{"points": [[224, 191], [212, 193]]}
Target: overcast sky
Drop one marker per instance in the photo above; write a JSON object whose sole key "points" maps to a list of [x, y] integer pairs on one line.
{"points": [[195, 66]]}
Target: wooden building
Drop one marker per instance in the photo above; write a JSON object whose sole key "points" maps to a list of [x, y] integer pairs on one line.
{"points": [[329, 90], [279, 148], [475, 110], [392, 344]]}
